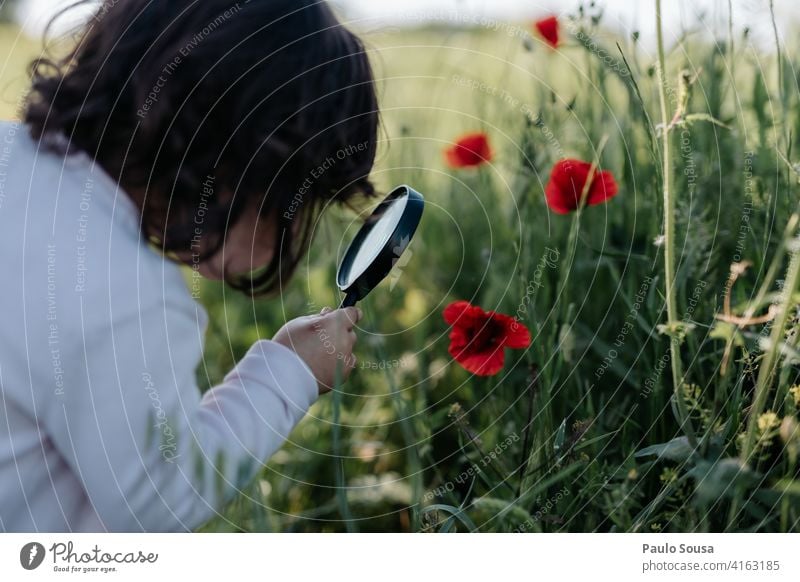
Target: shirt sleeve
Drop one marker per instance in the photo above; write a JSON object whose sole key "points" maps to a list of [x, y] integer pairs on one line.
{"points": [[152, 454]]}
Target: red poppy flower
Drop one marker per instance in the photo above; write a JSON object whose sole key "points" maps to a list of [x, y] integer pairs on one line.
{"points": [[567, 181], [469, 151], [479, 338], [548, 30]]}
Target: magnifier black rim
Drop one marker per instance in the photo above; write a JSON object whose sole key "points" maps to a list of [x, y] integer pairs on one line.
{"points": [[383, 262]]}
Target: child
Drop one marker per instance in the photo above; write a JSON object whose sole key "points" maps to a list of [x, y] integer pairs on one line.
{"points": [[176, 132]]}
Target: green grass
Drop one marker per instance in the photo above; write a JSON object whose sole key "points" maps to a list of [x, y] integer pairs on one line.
{"points": [[586, 422], [16, 50], [592, 408]]}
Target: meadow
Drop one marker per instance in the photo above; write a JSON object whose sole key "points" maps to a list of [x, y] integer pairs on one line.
{"points": [[659, 391]]}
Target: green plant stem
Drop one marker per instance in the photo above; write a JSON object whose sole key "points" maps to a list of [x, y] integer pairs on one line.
{"points": [[669, 238], [572, 248], [731, 47], [411, 442], [341, 484], [780, 395], [778, 55], [786, 504], [575, 226], [766, 370], [766, 284]]}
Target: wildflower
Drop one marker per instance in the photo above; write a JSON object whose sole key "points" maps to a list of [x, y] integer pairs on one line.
{"points": [[768, 421], [568, 182], [548, 30], [795, 392], [676, 329], [437, 370], [478, 338], [469, 151], [459, 418], [668, 475]]}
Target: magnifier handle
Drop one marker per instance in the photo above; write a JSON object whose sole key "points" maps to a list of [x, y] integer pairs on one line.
{"points": [[348, 301]]}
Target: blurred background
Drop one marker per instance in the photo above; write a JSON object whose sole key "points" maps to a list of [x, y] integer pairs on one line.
{"points": [[24, 21], [392, 450], [621, 14]]}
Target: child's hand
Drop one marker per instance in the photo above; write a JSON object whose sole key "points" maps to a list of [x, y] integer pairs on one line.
{"points": [[324, 342]]}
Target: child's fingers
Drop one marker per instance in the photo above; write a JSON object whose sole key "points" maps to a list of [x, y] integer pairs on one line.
{"points": [[353, 315], [345, 318]]}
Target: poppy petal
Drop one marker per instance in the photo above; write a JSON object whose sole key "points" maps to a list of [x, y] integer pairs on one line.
{"points": [[604, 187], [458, 340], [485, 364], [455, 311], [469, 150], [518, 336], [548, 29], [478, 338], [566, 184], [568, 181]]}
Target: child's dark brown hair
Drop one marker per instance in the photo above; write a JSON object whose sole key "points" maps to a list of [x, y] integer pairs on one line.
{"points": [[228, 107]]}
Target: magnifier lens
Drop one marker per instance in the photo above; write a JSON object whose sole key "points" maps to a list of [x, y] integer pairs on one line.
{"points": [[380, 242]]}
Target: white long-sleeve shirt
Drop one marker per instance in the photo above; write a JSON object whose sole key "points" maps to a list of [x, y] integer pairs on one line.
{"points": [[102, 425]]}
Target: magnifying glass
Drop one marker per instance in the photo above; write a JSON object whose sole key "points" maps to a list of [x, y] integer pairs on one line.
{"points": [[379, 244]]}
